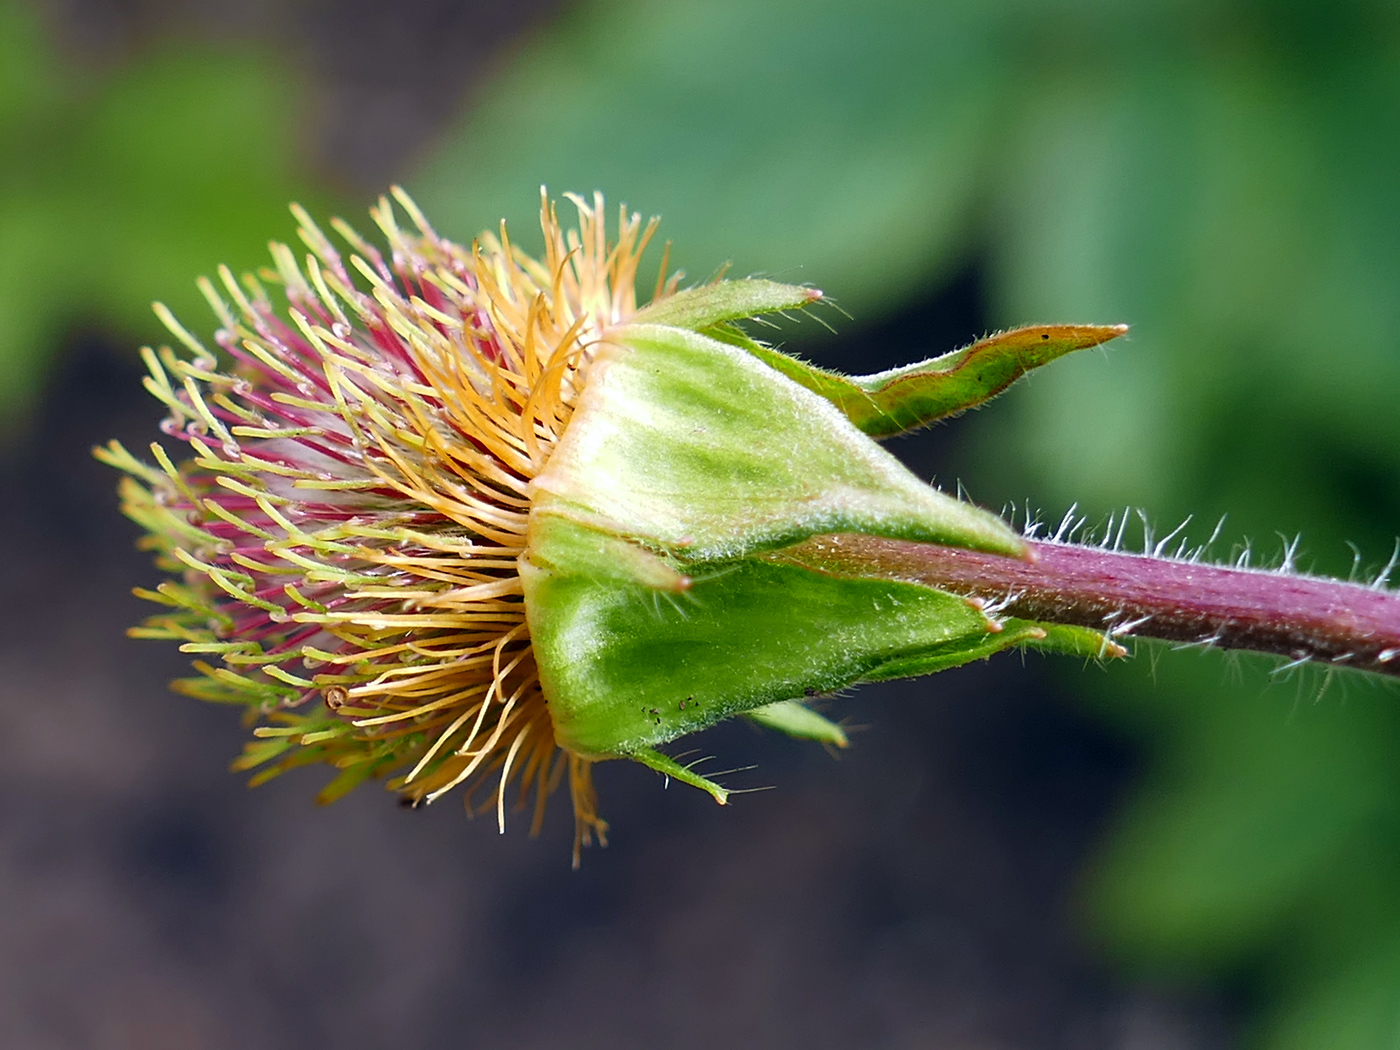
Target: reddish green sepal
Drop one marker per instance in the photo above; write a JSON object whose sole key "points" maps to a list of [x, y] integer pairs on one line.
{"points": [[902, 399]]}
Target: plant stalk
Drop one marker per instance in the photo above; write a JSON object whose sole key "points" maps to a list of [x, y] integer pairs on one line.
{"points": [[1304, 619]]}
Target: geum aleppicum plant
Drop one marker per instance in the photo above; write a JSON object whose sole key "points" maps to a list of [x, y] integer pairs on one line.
{"points": [[465, 518]]}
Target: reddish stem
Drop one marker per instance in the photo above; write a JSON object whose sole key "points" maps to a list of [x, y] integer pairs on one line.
{"points": [[1302, 618]]}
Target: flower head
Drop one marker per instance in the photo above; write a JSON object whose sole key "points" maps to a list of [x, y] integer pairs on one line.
{"points": [[464, 518], [349, 523]]}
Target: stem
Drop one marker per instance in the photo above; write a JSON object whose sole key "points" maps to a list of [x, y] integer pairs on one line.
{"points": [[1302, 618]]}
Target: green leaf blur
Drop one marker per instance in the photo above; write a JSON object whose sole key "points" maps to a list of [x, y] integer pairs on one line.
{"points": [[1220, 175], [120, 188]]}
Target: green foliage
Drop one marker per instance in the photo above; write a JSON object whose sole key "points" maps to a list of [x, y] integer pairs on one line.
{"points": [[1267, 835], [117, 190], [796, 139], [1220, 175]]}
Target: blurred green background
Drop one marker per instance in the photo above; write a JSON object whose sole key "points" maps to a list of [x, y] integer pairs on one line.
{"points": [[1223, 176]]}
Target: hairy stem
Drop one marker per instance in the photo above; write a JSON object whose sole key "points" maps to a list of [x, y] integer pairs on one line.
{"points": [[1302, 618]]}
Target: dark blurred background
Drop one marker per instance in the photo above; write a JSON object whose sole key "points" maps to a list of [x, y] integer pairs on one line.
{"points": [[1182, 851]]}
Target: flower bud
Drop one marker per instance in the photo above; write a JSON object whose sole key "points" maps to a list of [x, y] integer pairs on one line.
{"points": [[465, 518]]}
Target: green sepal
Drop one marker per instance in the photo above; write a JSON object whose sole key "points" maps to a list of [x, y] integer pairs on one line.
{"points": [[799, 721], [1067, 640], [560, 543], [941, 658], [668, 766], [902, 399], [626, 667], [722, 301], [1014, 633], [696, 448]]}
